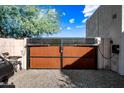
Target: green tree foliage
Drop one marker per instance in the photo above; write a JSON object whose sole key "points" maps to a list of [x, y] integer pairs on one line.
{"points": [[27, 21]]}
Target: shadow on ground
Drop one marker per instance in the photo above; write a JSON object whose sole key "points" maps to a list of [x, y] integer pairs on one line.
{"points": [[56, 78], [92, 79]]}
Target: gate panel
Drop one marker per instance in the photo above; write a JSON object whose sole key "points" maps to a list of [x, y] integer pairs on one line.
{"points": [[79, 51], [79, 63], [79, 57], [44, 62], [44, 51], [70, 57], [45, 57]]}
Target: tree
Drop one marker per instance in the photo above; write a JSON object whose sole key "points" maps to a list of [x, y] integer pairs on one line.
{"points": [[27, 21]]}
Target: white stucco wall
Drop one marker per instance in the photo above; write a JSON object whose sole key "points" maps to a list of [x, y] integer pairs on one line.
{"points": [[15, 47], [24, 63], [102, 24]]}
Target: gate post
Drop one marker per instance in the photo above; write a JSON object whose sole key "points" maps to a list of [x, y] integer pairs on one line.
{"points": [[24, 53], [61, 54]]}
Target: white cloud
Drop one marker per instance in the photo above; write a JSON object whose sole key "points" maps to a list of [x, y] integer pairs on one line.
{"points": [[89, 10], [84, 20], [80, 26], [68, 28], [63, 14], [60, 28], [72, 20], [53, 10]]}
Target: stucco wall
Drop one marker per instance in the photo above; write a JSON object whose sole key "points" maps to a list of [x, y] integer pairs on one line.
{"points": [[106, 22], [15, 47], [121, 62]]}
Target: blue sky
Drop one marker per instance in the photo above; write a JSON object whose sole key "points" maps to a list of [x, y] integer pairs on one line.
{"points": [[72, 19]]}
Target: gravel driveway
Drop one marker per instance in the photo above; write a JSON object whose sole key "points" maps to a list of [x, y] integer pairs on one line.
{"points": [[66, 79]]}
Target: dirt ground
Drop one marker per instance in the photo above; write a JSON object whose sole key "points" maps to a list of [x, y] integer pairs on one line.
{"points": [[50, 78]]}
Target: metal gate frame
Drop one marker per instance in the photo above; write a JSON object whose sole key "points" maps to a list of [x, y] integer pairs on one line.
{"points": [[61, 45]]}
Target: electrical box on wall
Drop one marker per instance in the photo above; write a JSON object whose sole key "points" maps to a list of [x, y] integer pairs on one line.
{"points": [[115, 49]]}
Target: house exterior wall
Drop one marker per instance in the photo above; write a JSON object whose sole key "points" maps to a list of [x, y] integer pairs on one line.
{"points": [[121, 62], [106, 23]]}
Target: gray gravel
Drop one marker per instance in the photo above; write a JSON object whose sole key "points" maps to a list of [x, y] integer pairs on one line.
{"points": [[67, 79]]}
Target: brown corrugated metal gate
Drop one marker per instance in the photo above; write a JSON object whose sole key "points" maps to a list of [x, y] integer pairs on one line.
{"points": [[62, 56]]}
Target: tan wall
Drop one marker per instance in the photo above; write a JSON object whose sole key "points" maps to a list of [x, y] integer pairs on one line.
{"points": [[15, 47]]}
